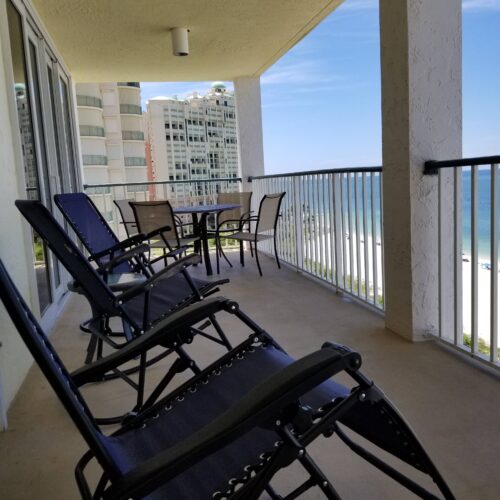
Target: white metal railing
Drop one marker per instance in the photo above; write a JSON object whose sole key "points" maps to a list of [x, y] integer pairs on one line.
{"points": [[468, 254], [331, 227], [179, 193]]}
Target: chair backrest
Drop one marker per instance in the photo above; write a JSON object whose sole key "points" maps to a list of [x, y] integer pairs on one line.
{"points": [[52, 367], [89, 225], [152, 215], [63, 247], [269, 211], [243, 199], [127, 215]]}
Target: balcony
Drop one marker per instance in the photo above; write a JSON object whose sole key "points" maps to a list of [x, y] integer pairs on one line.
{"points": [[135, 161], [92, 131], [88, 101], [132, 135], [94, 160], [129, 84], [130, 109], [447, 402]]}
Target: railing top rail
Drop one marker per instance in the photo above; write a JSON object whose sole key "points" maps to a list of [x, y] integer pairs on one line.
{"points": [[315, 172], [432, 166], [151, 183]]}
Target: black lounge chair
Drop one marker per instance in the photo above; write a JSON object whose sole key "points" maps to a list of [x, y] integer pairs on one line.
{"points": [[229, 430], [139, 307]]}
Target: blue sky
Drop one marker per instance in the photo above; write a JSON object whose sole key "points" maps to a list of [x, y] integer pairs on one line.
{"points": [[321, 101]]}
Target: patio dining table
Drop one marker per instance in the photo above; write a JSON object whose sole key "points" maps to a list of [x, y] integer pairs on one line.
{"points": [[199, 214]]}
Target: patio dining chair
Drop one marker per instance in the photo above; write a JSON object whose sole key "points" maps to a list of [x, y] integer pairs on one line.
{"points": [[127, 215], [138, 308], [226, 221], [228, 431], [265, 228], [158, 217]]}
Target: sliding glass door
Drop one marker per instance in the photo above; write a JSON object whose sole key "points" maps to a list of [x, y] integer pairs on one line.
{"points": [[46, 128]]}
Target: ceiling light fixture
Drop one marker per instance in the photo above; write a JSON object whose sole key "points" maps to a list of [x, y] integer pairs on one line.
{"points": [[180, 43]]}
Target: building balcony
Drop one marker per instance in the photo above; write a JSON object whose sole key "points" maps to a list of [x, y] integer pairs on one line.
{"points": [[129, 84], [447, 402], [130, 109], [135, 161], [132, 135], [90, 160], [88, 101], [92, 131]]}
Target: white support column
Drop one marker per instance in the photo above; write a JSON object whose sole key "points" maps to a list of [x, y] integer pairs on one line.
{"points": [[249, 121], [421, 120]]}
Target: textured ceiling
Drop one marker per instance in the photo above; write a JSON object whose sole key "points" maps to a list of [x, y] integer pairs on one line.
{"points": [[125, 40]]}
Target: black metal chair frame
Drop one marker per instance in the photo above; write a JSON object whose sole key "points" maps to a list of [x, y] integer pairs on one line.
{"points": [[105, 304], [273, 404], [249, 220]]}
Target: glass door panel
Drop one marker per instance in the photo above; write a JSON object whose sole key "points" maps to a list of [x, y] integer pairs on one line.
{"points": [[33, 155]]}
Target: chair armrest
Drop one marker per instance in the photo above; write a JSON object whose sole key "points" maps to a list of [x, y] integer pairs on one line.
{"points": [[167, 272], [265, 403], [122, 245], [170, 328], [158, 232], [172, 253], [127, 255]]}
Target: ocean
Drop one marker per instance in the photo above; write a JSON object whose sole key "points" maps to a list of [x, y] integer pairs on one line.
{"points": [[483, 212]]}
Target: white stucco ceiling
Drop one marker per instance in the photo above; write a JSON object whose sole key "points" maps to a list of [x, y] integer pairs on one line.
{"points": [[128, 40]]}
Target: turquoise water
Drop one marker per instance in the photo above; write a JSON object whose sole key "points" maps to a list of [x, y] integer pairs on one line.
{"points": [[483, 212]]}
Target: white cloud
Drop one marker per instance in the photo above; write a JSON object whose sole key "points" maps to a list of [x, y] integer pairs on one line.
{"points": [[300, 73], [480, 5]]}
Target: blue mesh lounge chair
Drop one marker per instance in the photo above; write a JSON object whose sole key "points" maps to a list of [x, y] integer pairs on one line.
{"points": [[139, 308], [100, 240], [265, 228], [225, 433], [126, 258]]}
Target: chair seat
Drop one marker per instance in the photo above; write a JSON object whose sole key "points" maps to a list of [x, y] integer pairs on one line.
{"points": [[199, 406], [167, 296], [249, 236]]}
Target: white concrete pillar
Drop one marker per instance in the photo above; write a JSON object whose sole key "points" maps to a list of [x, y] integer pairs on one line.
{"points": [[249, 122], [421, 120]]}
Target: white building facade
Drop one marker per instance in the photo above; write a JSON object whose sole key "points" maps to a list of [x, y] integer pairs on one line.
{"points": [[194, 139]]}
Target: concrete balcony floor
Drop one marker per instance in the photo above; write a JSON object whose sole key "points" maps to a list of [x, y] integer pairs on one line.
{"points": [[453, 407]]}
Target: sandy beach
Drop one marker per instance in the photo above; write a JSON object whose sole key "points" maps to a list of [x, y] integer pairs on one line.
{"points": [[484, 277]]}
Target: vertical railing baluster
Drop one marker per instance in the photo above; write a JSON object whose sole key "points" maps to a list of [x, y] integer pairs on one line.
{"points": [[474, 260], [374, 238], [331, 231], [308, 218], [337, 229], [494, 267], [349, 225], [382, 257], [365, 238], [343, 183], [358, 232], [458, 268]]}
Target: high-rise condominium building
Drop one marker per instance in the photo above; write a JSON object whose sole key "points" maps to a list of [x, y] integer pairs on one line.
{"points": [[194, 138], [112, 133]]}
